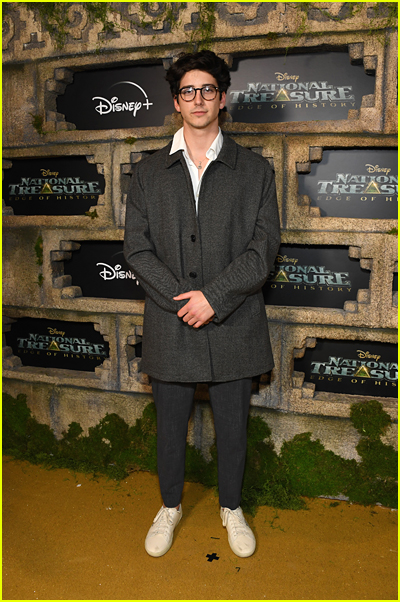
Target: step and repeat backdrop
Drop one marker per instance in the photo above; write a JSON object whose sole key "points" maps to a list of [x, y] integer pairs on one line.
{"points": [[346, 182]]}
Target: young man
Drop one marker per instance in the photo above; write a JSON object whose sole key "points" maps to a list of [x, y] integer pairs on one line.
{"points": [[202, 233]]}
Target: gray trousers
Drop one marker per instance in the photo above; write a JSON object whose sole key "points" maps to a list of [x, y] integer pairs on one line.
{"points": [[230, 402]]}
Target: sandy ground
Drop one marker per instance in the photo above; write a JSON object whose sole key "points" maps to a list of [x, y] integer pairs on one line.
{"points": [[67, 536]]}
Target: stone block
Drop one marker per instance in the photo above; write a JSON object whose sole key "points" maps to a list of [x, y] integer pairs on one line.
{"points": [[390, 84], [20, 268], [368, 101], [70, 292], [19, 105], [370, 64], [356, 52], [63, 282], [130, 334], [56, 87], [64, 75], [363, 296], [316, 153]]}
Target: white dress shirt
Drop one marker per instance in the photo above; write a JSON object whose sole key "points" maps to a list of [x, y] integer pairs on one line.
{"points": [[179, 143]]}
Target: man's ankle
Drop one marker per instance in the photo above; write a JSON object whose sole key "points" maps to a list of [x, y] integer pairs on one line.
{"points": [[176, 507]]}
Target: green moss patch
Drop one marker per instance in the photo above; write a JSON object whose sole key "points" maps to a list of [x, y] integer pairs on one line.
{"points": [[304, 467], [369, 419], [312, 470]]}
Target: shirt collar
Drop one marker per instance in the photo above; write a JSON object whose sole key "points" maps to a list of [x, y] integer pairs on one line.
{"points": [[178, 143]]}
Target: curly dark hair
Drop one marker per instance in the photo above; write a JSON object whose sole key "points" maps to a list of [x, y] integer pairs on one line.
{"points": [[205, 60]]}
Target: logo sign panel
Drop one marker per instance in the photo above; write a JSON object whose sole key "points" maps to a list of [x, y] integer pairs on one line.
{"points": [[351, 367], [100, 269], [52, 186], [360, 183], [316, 276], [123, 97], [296, 87], [57, 344]]}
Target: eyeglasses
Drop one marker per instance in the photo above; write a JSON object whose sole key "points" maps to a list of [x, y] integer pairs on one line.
{"points": [[208, 92]]}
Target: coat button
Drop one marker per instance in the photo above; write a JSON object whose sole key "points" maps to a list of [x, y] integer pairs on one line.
{"points": [[193, 275], [193, 238]]}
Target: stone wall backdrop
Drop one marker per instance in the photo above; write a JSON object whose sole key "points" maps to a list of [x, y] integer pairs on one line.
{"points": [[314, 90]]}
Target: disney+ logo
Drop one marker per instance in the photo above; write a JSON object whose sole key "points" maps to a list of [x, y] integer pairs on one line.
{"points": [[106, 106]]}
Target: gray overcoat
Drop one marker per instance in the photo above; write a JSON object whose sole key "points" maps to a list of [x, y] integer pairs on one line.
{"points": [[226, 251]]}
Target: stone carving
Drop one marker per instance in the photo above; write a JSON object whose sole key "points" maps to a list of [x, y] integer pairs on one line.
{"points": [[150, 18], [134, 361], [78, 19], [8, 31], [327, 11], [246, 13], [34, 42]]}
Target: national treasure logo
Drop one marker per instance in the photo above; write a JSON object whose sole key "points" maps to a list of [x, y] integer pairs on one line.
{"points": [[356, 182], [288, 271], [51, 183], [56, 342], [289, 88], [352, 367], [296, 87], [69, 345], [53, 186], [319, 276], [368, 367], [376, 183]]}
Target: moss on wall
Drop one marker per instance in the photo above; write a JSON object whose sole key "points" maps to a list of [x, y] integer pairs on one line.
{"points": [[37, 123], [303, 469], [369, 420], [54, 18]]}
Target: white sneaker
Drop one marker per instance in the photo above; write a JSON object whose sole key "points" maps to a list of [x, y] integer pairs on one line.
{"points": [[240, 536], [161, 533]]}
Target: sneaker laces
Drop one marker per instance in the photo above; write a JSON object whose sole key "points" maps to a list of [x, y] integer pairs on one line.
{"points": [[236, 520], [163, 520]]}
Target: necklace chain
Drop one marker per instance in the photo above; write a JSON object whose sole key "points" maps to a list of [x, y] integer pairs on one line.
{"points": [[199, 166]]}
